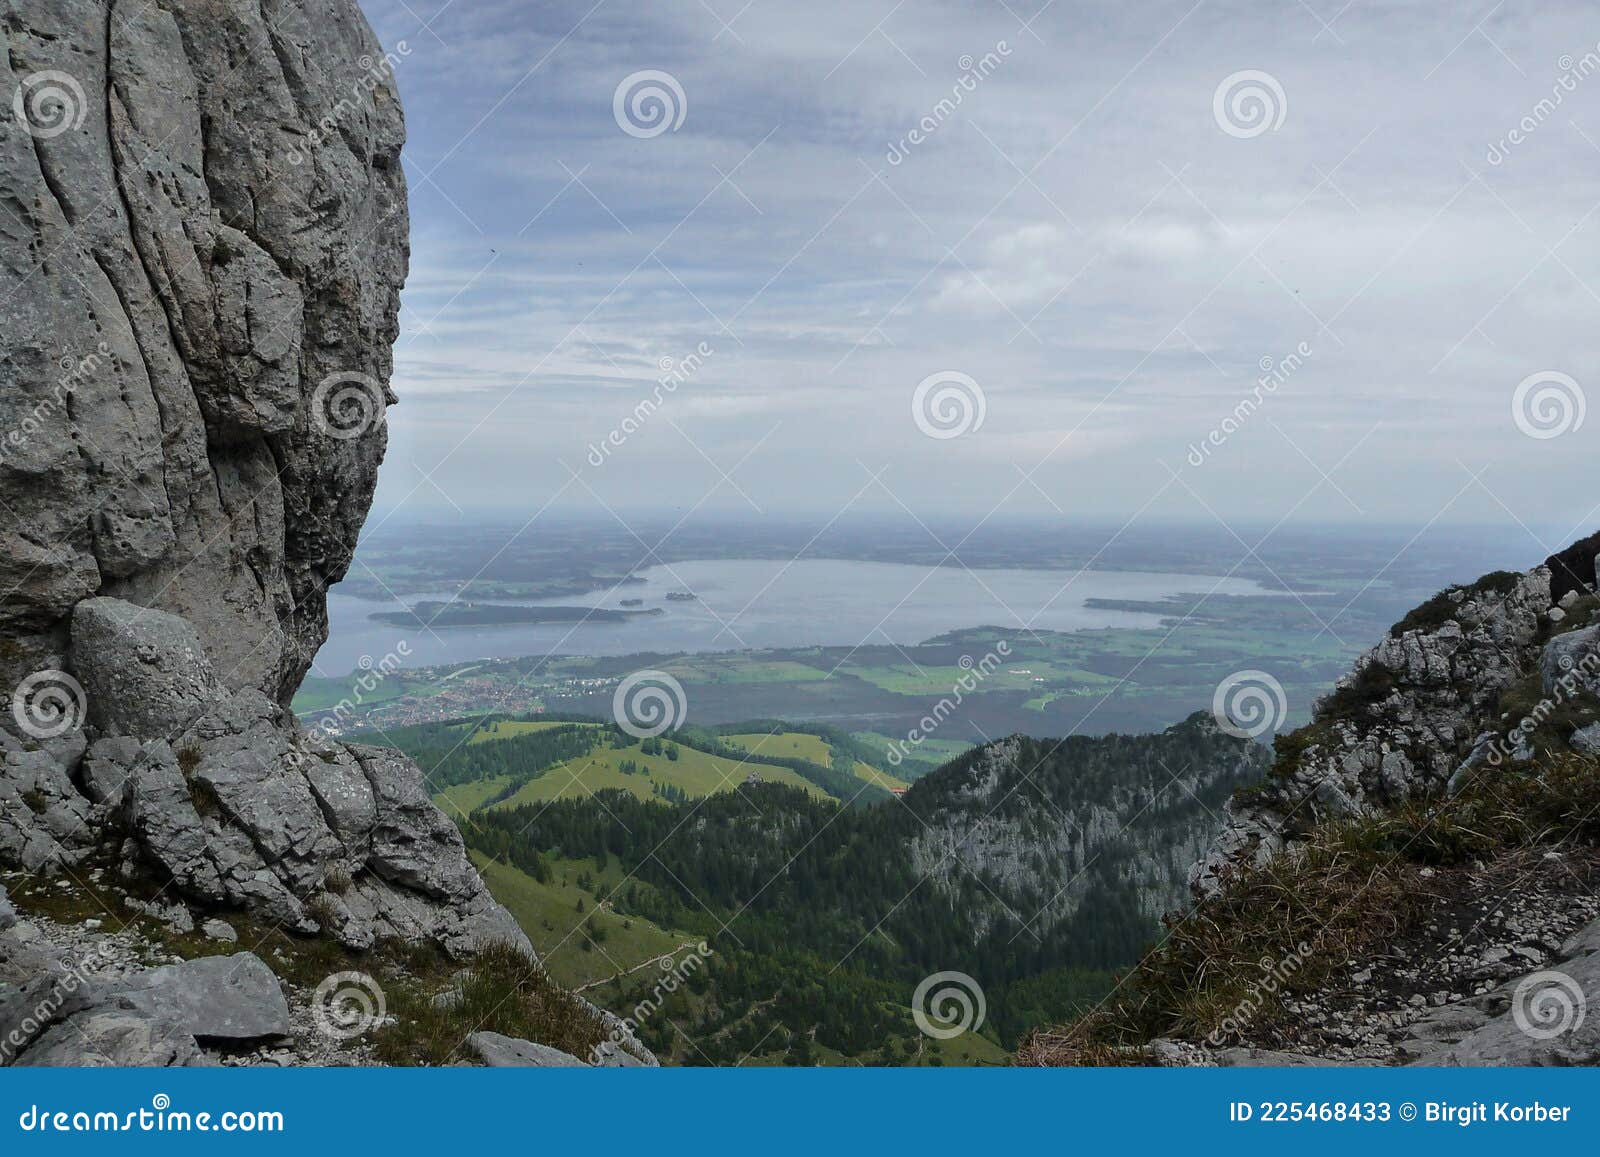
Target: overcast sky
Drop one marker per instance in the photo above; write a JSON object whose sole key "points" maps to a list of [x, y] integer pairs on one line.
{"points": [[1096, 233]]}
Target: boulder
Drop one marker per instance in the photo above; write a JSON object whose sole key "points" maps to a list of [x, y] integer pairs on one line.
{"points": [[143, 671], [230, 1000], [508, 1052], [109, 1036]]}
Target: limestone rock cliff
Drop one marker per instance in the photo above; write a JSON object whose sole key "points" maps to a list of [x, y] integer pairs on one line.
{"points": [[203, 236], [202, 245]]}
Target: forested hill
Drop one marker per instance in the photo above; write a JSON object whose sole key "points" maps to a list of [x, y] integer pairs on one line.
{"points": [[1029, 864]]}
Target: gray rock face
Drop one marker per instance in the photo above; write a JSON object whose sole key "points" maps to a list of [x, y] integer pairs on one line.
{"points": [[206, 227], [507, 1052], [144, 672], [226, 999], [1415, 711], [199, 280], [108, 1036], [1545, 1018]]}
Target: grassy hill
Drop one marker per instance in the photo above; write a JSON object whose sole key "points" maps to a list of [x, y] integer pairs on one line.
{"points": [[693, 772], [815, 749], [576, 929]]}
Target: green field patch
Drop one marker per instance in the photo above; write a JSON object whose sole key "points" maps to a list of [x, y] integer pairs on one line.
{"points": [[579, 947], [510, 728], [814, 749], [462, 799], [694, 773]]}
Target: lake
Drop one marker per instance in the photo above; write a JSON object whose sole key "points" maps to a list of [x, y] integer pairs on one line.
{"points": [[749, 603]]}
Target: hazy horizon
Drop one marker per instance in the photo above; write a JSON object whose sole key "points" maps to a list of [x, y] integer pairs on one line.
{"points": [[1108, 220]]}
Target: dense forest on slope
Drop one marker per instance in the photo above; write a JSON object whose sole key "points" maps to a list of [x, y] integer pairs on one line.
{"points": [[1036, 866]]}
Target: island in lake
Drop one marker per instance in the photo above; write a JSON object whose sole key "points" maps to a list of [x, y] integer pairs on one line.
{"points": [[458, 614]]}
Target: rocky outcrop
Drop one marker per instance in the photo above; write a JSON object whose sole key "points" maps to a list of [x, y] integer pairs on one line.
{"points": [[219, 797], [1423, 705], [200, 261], [1129, 812]]}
